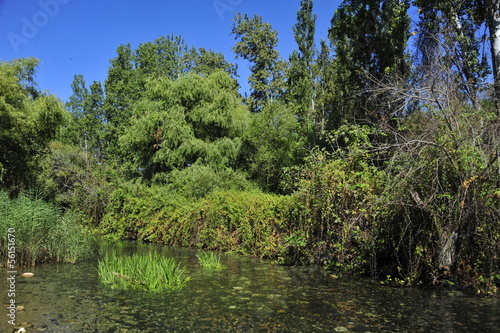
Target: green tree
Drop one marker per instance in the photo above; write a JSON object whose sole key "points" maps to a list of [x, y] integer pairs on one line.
{"points": [[29, 120], [87, 108], [123, 89], [369, 39], [273, 143], [191, 120], [205, 62], [302, 75], [257, 44], [162, 58]]}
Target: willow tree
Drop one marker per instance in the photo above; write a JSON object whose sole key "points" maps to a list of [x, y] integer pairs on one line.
{"points": [[193, 120]]}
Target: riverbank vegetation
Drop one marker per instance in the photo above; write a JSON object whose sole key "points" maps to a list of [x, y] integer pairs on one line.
{"points": [[375, 153], [39, 232]]}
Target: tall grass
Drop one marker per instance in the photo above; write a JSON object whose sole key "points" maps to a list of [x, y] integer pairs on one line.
{"points": [[151, 272], [42, 233], [209, 260]]}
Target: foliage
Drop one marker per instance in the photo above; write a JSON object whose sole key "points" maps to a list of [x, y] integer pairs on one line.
{"points": [[150, 272], [332, 219], [369, 38], [29, 120], [301, 75], [73, 178], [282, 146], [190, 120], [42, 233], [197, 181], [210, 260], [243, 222], [442, 184], [257, 44]]}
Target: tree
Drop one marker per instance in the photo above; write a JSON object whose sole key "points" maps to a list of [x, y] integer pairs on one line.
{"points": [[183, 122], [205, 62], [123, 88], [301, 76], [257, 44], [162, 58], [87, 108], [273, 142], [369, 39], [449, 47], [29, 120], [493, 22]]}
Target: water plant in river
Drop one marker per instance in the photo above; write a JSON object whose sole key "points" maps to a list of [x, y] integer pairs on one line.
{"points": [[210, 260], [150, 272]]}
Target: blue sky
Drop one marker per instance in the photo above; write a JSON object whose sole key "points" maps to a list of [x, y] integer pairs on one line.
{"points": [[81, 36]]}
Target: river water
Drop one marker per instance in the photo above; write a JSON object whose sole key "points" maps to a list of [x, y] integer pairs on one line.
{"points": [[249, 295]]}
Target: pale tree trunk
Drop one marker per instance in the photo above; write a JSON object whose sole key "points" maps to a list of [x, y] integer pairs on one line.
{"points": [[494, 28]]}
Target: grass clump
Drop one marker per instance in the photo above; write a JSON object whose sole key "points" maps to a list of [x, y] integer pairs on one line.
{"points": [[40, 232], [151, 272], [209, 260]]}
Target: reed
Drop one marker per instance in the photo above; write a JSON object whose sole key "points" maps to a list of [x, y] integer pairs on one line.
{"points": [[41, 232], [150, 272], [210, 260]]}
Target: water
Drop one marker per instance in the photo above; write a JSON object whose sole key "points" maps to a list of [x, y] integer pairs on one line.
{"points": [[249, 295]]}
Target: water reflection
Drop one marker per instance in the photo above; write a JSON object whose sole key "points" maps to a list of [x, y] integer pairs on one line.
{"points": [[249, 295]]}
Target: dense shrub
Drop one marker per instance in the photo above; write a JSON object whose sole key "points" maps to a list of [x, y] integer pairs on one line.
{"points": [[333, 218], [241, 222], [443, 190]]}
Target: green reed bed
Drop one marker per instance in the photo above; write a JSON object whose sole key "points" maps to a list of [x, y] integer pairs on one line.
{"points": [[39, 232], [150, 272], [210, 260]]}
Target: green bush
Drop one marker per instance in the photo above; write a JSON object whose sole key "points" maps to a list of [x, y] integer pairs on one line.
{"points": [[227, 220], [42, 232], [332, 219]]}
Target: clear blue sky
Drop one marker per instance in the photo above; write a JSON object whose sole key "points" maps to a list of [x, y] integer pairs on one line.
{"points": [[81, 36]]}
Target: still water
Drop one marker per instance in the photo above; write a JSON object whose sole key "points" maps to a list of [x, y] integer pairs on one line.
{"points": [[249, 295]]}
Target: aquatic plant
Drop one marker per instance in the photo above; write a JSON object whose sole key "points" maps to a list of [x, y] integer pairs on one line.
{"points": [[150, 272], [39, 232], [209, 260]]}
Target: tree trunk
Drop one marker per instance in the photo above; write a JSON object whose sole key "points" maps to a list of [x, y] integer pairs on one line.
{"points": [[494, 28]]}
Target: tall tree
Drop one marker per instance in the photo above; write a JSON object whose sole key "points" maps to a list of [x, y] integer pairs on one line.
{"points": [[162, 58], [302, 74], [449, 48], [205, 62], [369, 39], [257, 44], [123, 88], [29, 120], [87, 108]]}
